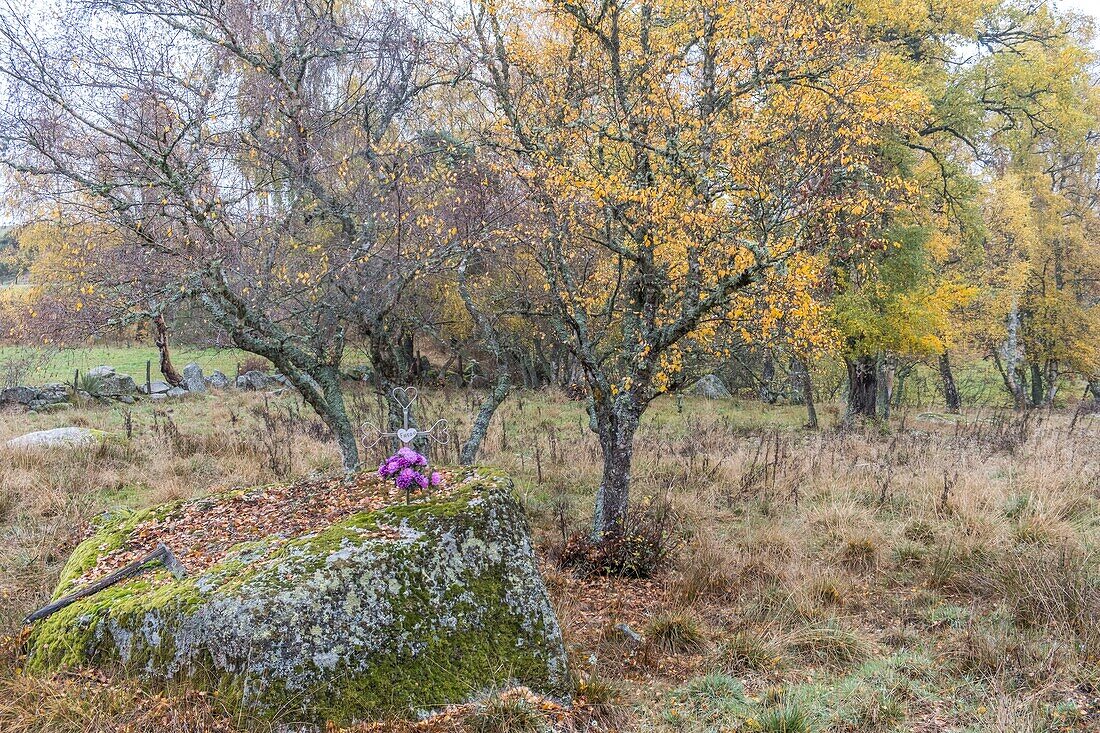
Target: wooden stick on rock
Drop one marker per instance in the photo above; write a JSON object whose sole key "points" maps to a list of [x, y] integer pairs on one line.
{"points": [[162, 555]]}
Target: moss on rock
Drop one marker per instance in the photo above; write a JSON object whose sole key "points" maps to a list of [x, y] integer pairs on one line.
{"points": [[339, 625]]}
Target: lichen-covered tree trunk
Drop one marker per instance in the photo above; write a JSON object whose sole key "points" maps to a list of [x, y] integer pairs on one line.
{"points": [[313, 367], [616, 425], [806, 387], [950, 390], [767, 378], [862, 386], [503, 385], [160, 338], [1008, 359], [489, 406]]}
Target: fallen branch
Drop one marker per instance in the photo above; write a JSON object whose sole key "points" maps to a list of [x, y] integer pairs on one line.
{"points": [[162, 555]]}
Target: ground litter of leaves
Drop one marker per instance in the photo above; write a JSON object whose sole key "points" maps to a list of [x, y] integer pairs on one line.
{"points": [[201, 532]]}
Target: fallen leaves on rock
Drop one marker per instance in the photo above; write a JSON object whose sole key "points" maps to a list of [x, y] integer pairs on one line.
{"points": [[202, 531]]}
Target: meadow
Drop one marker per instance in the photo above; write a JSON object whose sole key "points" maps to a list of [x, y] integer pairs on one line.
{"points": [[927, 575]]}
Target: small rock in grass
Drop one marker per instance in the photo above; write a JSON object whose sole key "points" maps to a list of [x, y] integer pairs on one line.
{"points": [[57, 438]]}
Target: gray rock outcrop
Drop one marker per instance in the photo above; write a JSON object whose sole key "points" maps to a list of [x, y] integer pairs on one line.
{"points": [[391, 611]]}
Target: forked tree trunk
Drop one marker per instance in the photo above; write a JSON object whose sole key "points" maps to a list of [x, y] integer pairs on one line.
{"points": [[160, 338], [862, 386], [616, 426], [950, 390]]}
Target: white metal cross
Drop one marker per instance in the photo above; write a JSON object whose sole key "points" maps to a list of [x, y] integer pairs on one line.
{"points": [[407, 433]]}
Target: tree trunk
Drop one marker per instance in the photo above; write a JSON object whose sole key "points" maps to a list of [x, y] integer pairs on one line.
{"points": [[489, 406], [616, 425], [862, 386], [767, 377], [160, 338], [806, 386], [888, 368], [323, 393], [336, 417], [1010, 354], [1036, 385], [1051, 382], [950, 390]]}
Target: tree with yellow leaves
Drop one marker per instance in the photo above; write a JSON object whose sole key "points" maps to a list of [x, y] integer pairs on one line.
{"points": [[678, 157]]}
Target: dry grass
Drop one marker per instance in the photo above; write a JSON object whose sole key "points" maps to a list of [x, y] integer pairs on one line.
{"points": [[918, 578]]}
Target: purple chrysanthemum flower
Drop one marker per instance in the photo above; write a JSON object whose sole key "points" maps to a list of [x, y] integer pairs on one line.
{"points": [[403, 467]]}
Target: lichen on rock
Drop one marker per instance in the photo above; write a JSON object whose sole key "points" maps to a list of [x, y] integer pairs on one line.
{"points": [[341, 624]]}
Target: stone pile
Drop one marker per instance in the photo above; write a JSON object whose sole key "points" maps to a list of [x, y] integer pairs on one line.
{"points": [[106, 383]]}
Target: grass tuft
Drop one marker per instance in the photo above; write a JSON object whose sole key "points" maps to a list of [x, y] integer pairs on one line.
{"points": [[675, 633]]}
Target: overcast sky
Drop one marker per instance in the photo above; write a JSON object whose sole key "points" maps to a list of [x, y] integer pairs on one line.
{"points": [[1091, 7]]}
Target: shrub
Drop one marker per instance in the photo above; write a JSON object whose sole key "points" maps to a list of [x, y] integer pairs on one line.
{"points": [[640, 549]]}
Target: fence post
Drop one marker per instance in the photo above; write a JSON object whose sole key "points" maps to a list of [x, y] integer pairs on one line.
{"points": [[149, 376], [76, 380]]}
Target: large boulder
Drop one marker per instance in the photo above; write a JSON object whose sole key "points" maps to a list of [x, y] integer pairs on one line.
{"points": [[192, 378], [155, 387], [57, 438], [106, 382], [709, 387], [390, 610], [217, 380]]}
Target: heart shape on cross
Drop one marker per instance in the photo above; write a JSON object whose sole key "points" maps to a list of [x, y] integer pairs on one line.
{"points": [[406, 435], [404, 396]]}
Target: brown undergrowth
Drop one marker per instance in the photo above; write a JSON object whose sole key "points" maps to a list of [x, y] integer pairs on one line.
{"points": [[927, 576]]}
